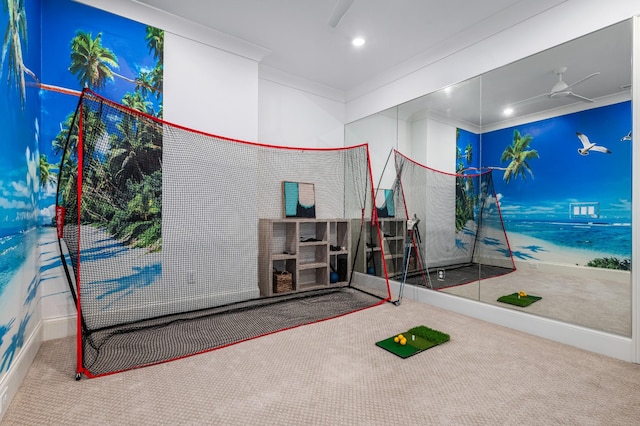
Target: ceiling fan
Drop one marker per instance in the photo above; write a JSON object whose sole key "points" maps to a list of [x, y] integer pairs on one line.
{"points": [[561, 89]]}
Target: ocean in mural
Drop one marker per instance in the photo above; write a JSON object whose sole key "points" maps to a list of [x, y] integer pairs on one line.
{"points": [[36, 113], [558, 202], [610, 239], [15, 246]]}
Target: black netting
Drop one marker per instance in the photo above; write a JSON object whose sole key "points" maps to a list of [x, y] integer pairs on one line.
{"points": [[172, 233], [459, 236]]}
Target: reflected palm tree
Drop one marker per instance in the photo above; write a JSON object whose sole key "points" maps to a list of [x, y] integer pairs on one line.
{"points": [[519, 155]]}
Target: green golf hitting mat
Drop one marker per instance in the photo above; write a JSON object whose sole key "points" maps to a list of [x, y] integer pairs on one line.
{"points": [[518, 299], [416, 340]]}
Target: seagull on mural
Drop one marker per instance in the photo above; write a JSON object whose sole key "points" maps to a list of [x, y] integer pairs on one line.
{"points": [[626, 138], [589, 146]]}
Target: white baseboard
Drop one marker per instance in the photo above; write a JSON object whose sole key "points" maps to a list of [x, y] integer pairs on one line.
{"points": [[611, 345], [20, 367], [57, 328]]}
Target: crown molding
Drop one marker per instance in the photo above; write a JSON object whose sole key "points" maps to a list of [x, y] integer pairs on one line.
{"points": [[138, 11]]}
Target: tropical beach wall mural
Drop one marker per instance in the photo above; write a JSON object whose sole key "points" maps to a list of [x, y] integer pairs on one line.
{"points": [[563, 199], [37, 108], [19, 178], [467, 151]]}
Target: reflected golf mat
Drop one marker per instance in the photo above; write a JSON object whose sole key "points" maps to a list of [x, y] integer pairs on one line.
{"points": [[416, 340], [519, 299]]}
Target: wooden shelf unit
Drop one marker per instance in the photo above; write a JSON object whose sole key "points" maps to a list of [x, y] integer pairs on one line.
{"points": [[369, 253], [310, 249]]}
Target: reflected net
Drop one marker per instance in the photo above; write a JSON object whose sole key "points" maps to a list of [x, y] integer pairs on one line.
{"points": [[459, 236], [178, 242]]}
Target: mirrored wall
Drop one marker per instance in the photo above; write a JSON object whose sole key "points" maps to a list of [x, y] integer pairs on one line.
{"points": [[554, 130]]}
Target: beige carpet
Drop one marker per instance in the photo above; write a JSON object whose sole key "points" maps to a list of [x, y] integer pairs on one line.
{"points": [[331, 373]]}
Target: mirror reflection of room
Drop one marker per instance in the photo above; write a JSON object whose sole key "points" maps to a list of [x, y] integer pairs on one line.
{"points": [[554, 129]]}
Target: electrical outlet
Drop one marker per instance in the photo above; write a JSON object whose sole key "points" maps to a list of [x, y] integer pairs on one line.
{"points": [[190, 278], [533, 266]]}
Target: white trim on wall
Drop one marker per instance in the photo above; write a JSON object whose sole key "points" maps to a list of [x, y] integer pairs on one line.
{"points": [[600, 342], [20, 367], [282, 78], [179, 26]]}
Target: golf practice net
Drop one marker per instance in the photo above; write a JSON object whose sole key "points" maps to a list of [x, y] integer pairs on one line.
{"points": [[458, 235], [176, 242]]}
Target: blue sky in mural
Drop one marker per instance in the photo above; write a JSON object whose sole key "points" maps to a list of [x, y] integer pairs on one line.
{"points": [[125, 38], [20, 136], [561, 175]]}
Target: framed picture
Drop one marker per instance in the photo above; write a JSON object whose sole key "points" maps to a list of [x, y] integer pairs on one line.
{"points": [[384, 203], [299, 199]]}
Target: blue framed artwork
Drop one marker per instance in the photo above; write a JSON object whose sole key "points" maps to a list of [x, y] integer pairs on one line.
{"points": [[299, 199], [384, 203]]}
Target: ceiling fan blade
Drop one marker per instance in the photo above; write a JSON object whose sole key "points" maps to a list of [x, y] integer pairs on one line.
{"points": [[527, 100], [582, 98], [339, 10], [582, 80]]}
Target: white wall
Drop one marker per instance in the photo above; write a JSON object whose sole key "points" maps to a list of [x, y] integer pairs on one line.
{"points": [[441, 146], [288, 116], [216, 94], [380, 131], [433, 144]]}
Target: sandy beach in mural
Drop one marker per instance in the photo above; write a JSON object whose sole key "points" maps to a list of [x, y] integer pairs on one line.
{"points": [[120, 277], [17, 304], [531, 249], [54, 288]]}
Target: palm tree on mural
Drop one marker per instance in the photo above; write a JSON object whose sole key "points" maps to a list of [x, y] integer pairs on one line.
{"points": [[468, 153], [135, 151], [519, 155], [47, 176], [94, 65], [155, 42], [15, 37], [12, 44], [137, 101], [91, 62]]}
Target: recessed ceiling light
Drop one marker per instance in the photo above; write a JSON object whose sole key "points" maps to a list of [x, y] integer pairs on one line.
{"points": [[507, 111], [358, 41]]}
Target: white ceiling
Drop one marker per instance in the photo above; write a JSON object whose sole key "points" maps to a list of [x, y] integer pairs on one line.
{"points": [[481, 101], [310, 39], [302, 42]]}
